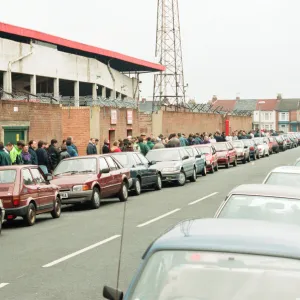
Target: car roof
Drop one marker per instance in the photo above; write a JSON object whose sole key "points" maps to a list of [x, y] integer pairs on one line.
{"points": [[286, 169], [166, 149], [267, 190], [231, 235], [17, 167]]}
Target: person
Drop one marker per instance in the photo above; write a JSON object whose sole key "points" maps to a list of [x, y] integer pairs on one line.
{"points": [[64, 153], [144, 149], [4, 157], [159, 144], [150, 143], [91, 147], [70, 138], [115, 147], [70, 149], [8, 147], [206, 140], [26, 156], [105, 148], [16, 153], [53, 155], [96, 145], [42, 156], [32, 147]]}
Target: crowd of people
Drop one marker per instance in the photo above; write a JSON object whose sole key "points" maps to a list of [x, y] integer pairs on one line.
{"points": [[47, 156]]}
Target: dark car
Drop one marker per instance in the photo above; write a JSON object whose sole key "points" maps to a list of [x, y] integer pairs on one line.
{"points": [[242, 151], [281, 142], [26, 192], [275, 146], [289, 142], [141, 173], [174, 164], [91, 178], [201, 259], [253, 150], [226, 154]]}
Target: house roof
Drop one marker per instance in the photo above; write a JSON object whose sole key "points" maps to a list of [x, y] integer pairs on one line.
{"points": [[245, 104], [118, 61], [269, 104], [288, 104], [224, 105]]}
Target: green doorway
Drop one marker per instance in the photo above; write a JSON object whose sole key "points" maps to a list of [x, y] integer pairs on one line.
{"points": [[14, 134]]}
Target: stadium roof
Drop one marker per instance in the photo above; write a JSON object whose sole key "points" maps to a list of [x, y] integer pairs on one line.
{"points": [[118, 61]]}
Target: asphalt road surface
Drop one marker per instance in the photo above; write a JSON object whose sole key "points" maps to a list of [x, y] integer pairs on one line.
{"points": [[71, 258]]}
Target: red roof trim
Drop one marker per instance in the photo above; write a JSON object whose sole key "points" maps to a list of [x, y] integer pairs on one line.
{"points": [[36, 35]]}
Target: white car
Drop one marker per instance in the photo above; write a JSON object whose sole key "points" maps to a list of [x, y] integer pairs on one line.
{"points": [[2, 214], [284, 176], [262, 146]]}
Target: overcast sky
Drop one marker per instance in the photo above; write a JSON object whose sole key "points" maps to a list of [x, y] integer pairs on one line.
{"points": [[230, 47]]}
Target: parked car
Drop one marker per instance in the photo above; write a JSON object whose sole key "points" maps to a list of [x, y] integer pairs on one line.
{"points": [[263, 147], [286, 176], [267, 141], [2, 214], [174, 164], [200, 159], [226, 154], [289, 143], [242, 151], [293, 140], [26, 192], [90, 179], [211, 156], [297, 163], [253, 150], [281, 142], [275, 146], [244, 259], [143, 173], [262, 202]]}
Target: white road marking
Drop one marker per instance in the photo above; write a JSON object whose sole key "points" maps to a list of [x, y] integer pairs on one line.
{"points": [[160, 217], [2, 285], [201, 199], [55, 262]]}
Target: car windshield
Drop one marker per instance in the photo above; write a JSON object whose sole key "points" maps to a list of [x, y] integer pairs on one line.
{"points": [[186, 275], [165, 155], [205, 150], [122, 159], [80, 165], [281, 178], [8, 176], [271, 209], [221, 147], [237, 144]]}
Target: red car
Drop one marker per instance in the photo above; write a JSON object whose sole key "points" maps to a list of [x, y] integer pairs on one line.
{"points": [[26, 192], [91, 178], [211, 156], [226, 154]]}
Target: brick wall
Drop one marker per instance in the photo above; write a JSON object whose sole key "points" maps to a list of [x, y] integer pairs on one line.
{"points": [[293, 115], [45, 119], [145, 121], [76, 123], [240, 123]]}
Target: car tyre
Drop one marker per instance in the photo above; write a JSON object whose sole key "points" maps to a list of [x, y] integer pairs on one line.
{"points": [[182, 178], [254, 157], [204, 171], [212, 171], [123, 194], [193, 178], [56, 212], [137, 187], [0, 221], [96, 199], [235, 162], [244, 160], [217, 167], [249, 159], [30, 216], [258, 156], [228, 163], [158, 184]]}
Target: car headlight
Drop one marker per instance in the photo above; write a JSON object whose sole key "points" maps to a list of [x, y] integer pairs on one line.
{"points": [[208, 162], [169, 170], [80, 188]]}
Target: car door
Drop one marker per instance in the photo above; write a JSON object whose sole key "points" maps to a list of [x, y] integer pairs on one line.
{"points": [[105, 179], [214, 156], [200, 159], [45, 192], [150, 174], [28, 189], [231, 151], [115, 173], [188, 164]]}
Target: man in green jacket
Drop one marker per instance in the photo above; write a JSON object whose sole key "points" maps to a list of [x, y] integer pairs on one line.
{"points": [[15, 153], [144, 149], [4, 157]]}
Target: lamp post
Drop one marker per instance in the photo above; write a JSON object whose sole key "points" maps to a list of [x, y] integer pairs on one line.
{"points": [[259, 111]]}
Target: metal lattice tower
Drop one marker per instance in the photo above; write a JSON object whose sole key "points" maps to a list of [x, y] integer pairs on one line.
{"points": [[169, 88]]}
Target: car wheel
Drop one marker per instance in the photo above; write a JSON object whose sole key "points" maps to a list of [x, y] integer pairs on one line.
{"points": [[204, 171], [55, 213], [137, 187], [158, 184], [123, 194], [264, 154], [1, 221], [235, 162], [254, 156], [182, 178], [228, 163], [268, 154], [217, 168], [212, 171], [249, 159], [96, 199], [258, 156], [193, 178], [30, 216], [244, 160]]}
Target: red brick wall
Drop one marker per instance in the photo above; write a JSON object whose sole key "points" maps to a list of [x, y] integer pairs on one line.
{"points": [[45, 119], [76, 123], [145, 121], [239, 123], [293, 115]]}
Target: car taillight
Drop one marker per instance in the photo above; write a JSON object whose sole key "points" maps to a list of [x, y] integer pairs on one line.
{"points": [[251, 148], [16, 201]]}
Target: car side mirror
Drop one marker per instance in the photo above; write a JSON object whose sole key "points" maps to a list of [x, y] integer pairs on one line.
{"points": [[112, 294], [245, 147], [105, 171], [185, 157], [49, 177], [153, 162], [199, 156]]}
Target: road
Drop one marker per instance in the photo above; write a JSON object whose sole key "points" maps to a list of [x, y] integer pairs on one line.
{"points": [[74, 256]]}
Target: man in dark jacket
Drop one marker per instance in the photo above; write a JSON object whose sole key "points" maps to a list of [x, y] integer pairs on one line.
{"points": [[91, 147], [4, 157], [72, 144], [42, 157], [64, 153], [32, 147], [105, 148], [53, 154]]}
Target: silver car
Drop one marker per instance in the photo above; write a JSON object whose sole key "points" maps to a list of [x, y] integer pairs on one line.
{"points": [[174, 164], [286, 176], [2, 215]]}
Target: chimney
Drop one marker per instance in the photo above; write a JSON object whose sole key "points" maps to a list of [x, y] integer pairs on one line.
{"points": [[279, 96], [214, 99], [237, 98]]}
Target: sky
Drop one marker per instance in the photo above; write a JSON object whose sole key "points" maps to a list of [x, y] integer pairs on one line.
{"points": [[245, 48]]}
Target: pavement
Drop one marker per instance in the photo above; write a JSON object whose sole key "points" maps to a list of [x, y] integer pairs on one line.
{"points": [[71, 258]]}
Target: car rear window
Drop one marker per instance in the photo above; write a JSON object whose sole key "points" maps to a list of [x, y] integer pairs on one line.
{"points": [[8, 176], [122, 159], [286, 179]]}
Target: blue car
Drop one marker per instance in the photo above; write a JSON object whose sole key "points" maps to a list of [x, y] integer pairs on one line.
{"points": [[219, 259]]}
